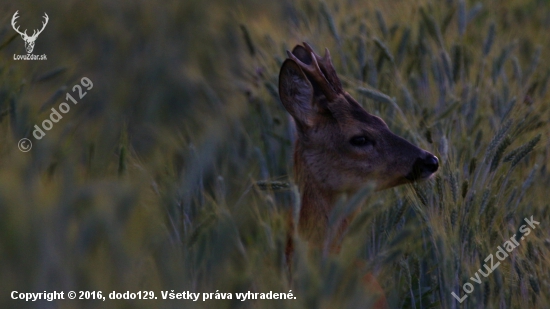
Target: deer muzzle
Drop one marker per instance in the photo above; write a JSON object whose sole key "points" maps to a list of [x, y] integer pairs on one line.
{"points": [[424, 167]]}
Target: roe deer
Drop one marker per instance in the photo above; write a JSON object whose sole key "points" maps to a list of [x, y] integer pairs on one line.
{"points": [[340, 147]]}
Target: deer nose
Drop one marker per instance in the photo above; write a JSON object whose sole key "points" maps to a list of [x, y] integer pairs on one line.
{"points": [[423, 167], [431, 164]]}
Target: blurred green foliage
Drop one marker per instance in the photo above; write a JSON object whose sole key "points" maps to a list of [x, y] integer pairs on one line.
{"points": [[150, 182]]}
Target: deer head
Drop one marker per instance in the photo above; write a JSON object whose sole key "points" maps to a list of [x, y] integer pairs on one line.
{"points": [[29, 40], [340, 147]]}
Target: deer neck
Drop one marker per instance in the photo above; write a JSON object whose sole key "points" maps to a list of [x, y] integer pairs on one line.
{"points": [[317, 203]]}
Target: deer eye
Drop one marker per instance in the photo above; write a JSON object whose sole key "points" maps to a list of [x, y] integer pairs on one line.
{"points": [[360, 141]]}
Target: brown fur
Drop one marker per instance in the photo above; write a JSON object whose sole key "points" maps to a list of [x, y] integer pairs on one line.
{"points": [[327, 162]]}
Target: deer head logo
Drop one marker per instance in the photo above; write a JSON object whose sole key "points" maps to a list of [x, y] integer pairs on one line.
{"points": [[29, 40]]}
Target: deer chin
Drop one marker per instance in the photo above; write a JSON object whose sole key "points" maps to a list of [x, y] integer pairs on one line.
{"points": [[409, 178], [391, 184], [416, 176]]}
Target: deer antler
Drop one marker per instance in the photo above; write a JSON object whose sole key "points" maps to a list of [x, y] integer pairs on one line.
{"points": [[15, 16], [315, 72], [44, 23], [326, 65]]}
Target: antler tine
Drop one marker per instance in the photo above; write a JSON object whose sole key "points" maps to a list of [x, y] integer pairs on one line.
{"points": [[327, 67], [47, 19], [312, 68], [15, 16], [325, 60], [310, 49], [327, 57], [44, 23], [332, 76], [315, 71]]}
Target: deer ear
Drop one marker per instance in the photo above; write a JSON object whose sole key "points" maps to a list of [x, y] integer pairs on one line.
{"points": [[296, 93]]}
